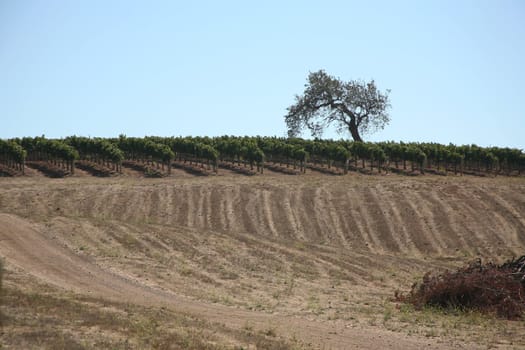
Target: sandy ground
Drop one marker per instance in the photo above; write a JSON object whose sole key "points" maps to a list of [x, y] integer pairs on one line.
{"points": [[315, 257]]}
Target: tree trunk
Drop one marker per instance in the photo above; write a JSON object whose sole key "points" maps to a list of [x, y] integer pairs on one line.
{"points": [[354, 131]]}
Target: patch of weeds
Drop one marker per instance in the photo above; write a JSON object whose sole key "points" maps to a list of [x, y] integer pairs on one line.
{"points": [[306, 270], [314, 305], [299, 245], [185, 270], [51, 321], [257, 307], [223, 299], [387, 315], [276, 295], [290, 284], [431, 333], [405, 313], [227, 275], [338, 275], [248, 328], [270, 332]]}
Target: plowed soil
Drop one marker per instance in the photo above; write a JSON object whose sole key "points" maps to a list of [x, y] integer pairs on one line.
{"points": [[315, 257]]}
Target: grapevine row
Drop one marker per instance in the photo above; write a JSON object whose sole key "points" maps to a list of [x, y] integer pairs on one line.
{"points": [[12, 155], [259, 152]]}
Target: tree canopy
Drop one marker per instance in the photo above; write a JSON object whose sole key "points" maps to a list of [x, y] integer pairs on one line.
{"points": [[353, 106]]}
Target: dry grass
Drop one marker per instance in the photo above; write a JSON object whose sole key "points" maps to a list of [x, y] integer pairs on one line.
{"points": [[328, 250], [52, 319], [453, 326]]}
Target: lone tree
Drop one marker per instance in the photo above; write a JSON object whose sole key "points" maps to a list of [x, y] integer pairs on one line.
{"points": [[354, 106]]}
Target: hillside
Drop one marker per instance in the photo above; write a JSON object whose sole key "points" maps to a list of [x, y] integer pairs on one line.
{"points": [[293, 261]]}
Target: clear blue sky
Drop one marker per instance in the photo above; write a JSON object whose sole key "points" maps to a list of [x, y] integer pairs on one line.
{"points": [[100, 68]]}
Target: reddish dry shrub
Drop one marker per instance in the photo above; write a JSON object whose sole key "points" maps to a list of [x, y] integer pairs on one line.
{"points": [[486, 288]]}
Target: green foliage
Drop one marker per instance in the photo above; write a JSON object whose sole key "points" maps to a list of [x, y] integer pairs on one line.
{"points": [[337, 152], [145, 148], [414, 154], [10, 150], [195, 147], [393, 150], [283, 149], [376, 152], [258, 149], [205, 151], [96, 147], [56, 149], [354, 106], [360, 149]]}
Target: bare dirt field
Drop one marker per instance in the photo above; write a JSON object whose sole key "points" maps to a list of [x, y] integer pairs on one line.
{"points": [[231, 261]]}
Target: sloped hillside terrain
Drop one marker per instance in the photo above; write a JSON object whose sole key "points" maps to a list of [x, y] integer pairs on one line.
{"points": [[262, 262]]}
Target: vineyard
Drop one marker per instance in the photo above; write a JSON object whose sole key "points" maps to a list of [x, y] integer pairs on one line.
{"points": [[156, 156], [293, 241]]}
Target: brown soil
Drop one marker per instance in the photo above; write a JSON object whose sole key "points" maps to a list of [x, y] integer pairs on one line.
{"points": [[315, 257]]}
